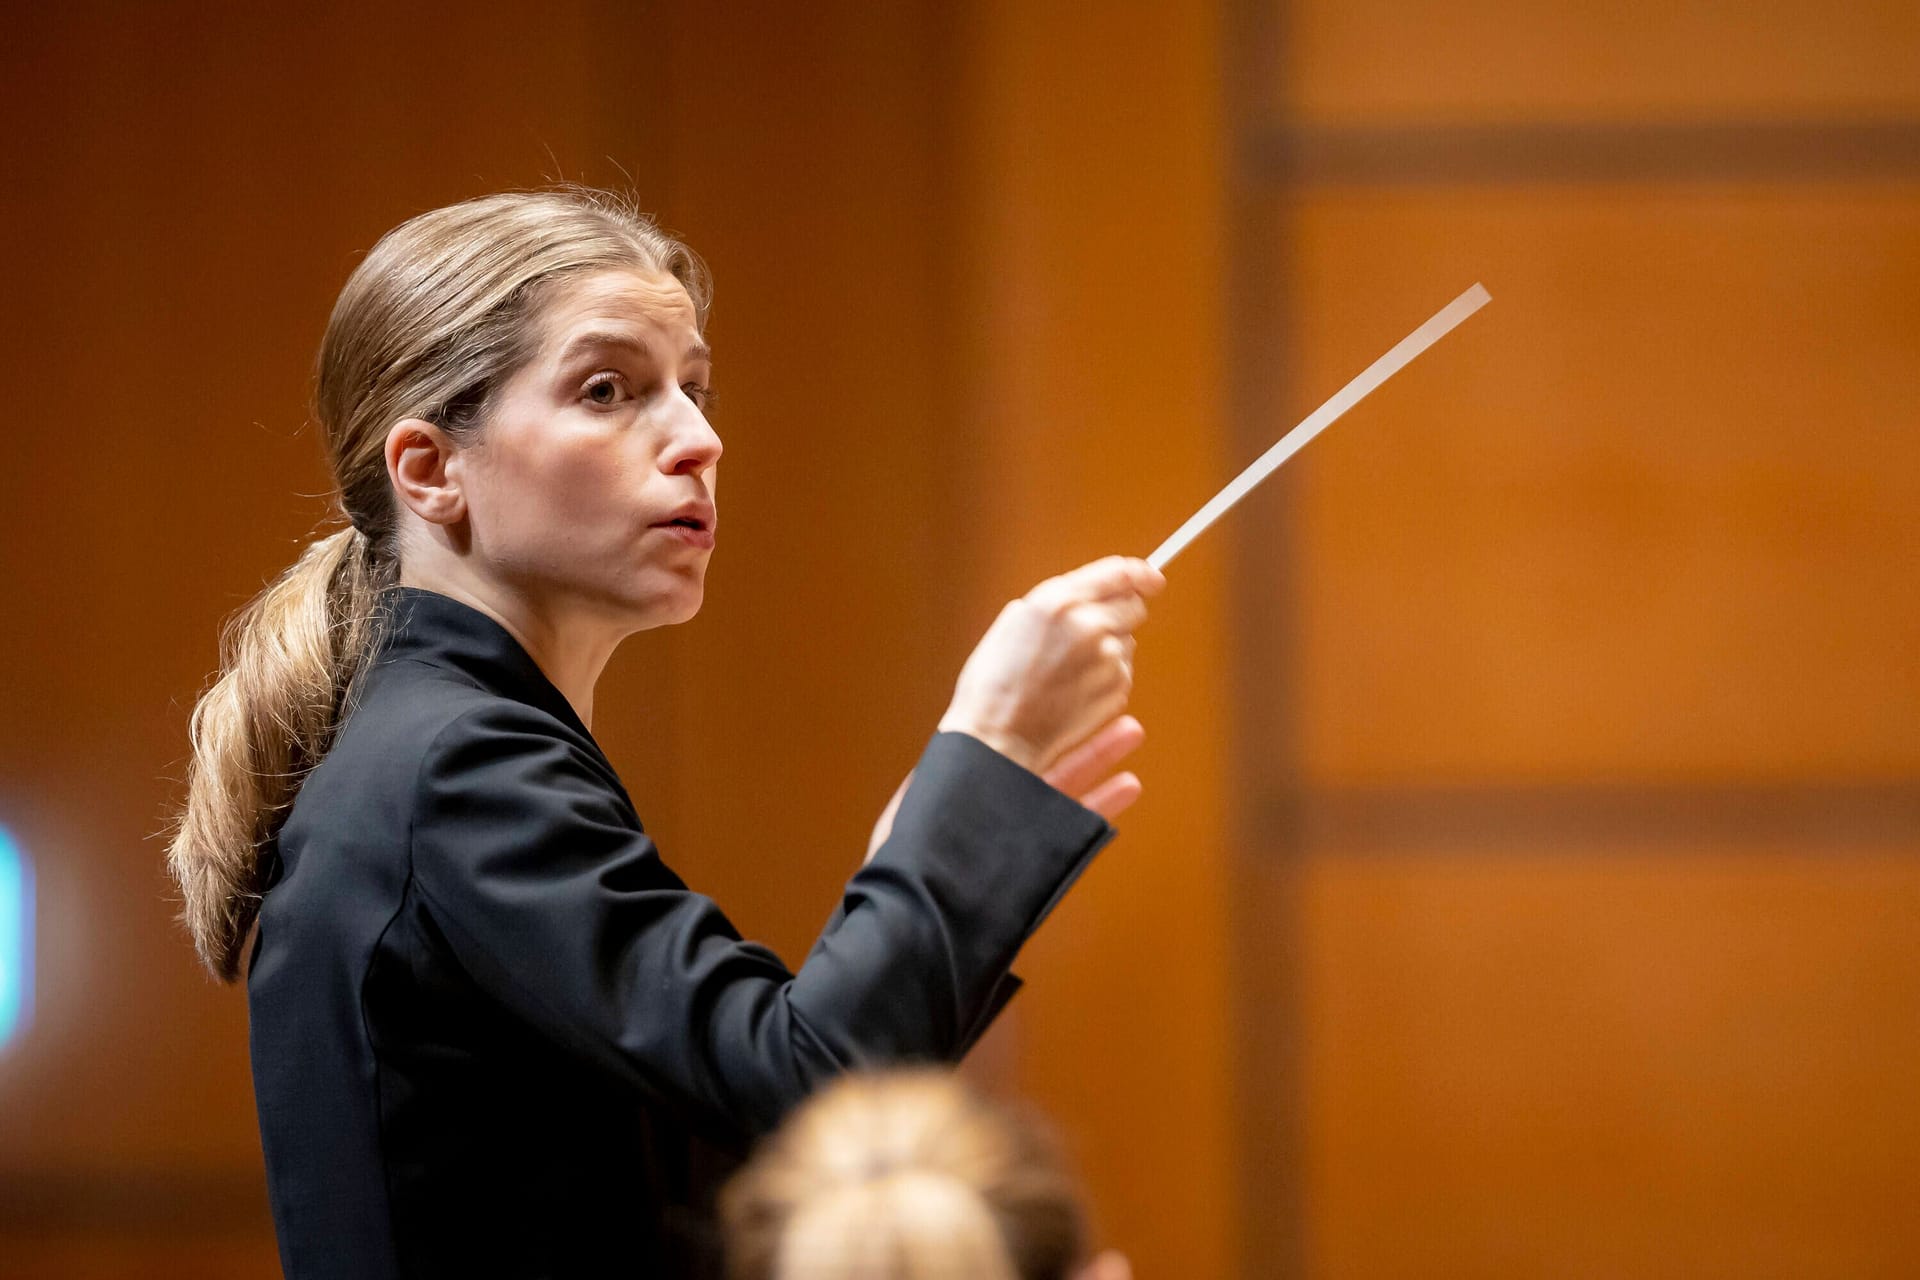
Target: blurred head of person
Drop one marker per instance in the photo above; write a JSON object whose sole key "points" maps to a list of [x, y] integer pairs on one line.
{"points": [[909, 1175], [512, 394]]}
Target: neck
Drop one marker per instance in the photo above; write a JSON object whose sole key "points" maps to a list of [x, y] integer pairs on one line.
{"points": [[569, 651]]}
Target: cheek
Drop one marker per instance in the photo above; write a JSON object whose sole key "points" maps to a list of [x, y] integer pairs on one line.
{"points": [[586, 480], [560, 491]]}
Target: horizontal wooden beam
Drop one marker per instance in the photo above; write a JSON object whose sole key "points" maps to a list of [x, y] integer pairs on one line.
{"points": [[1548, 819], [1402, 155]]}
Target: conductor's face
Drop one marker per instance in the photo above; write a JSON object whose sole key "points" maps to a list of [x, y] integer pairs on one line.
{"points": [[591, 487]]}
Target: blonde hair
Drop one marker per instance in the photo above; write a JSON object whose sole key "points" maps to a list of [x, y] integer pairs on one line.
{"points": [[442, 312], [904, 1176]]}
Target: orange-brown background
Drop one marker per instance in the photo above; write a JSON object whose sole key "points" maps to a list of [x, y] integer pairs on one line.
{"points": [[1528, 877]]}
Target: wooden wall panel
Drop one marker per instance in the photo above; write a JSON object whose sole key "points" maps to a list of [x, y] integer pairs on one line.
{"points": [[1659, 1062], [1585, 658], [1653, 514], [1484, 61]]}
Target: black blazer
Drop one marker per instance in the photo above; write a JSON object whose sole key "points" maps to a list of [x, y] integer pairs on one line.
{"points": [[493, 1034]]}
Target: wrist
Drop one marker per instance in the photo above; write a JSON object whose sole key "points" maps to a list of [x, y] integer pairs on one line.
{"points": [[1010, 745]]}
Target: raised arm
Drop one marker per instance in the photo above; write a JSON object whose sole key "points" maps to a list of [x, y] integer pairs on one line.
{"points": [[532, 862]]}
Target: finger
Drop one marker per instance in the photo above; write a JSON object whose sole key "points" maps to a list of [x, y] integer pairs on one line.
{"points": [[1102, 706], [1147, 580], [1100, 580], [1142, 578], [1114, 796], [1119, 615], [1095, 758], [1114, 649], [1102, 565]]}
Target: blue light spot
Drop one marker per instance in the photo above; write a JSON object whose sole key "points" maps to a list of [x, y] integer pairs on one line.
{"points": [[16, 938]]}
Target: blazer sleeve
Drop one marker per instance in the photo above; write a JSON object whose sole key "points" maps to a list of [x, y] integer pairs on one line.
{"points": [[529, 857]]}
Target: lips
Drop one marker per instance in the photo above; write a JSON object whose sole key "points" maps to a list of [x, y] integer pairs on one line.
{"points": [[698, 516]]}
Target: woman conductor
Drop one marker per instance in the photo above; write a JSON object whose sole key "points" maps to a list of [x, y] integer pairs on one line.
{"points": [[492, 1033]]}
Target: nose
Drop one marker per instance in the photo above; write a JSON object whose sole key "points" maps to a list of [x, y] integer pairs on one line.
{"points": [[694, 445]]}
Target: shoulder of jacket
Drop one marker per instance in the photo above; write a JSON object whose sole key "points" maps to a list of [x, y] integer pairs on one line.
{"points": [[496, 746], [480, 713], [486, 727]]}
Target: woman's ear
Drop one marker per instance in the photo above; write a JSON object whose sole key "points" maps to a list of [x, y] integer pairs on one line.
{"points": [[1110, 1265], [421, 465]]}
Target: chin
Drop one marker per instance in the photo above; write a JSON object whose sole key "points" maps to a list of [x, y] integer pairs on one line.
{"points": [[676, 606], [663, 596]]}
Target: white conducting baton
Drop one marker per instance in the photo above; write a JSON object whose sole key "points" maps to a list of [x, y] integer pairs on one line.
{"points": [[1320, 419]]}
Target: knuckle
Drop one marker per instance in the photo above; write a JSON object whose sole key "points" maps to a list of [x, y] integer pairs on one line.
{"points": [[1053, 603]]}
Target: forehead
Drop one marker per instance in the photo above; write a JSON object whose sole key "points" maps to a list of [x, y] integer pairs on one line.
{"points": [[647, 302]]}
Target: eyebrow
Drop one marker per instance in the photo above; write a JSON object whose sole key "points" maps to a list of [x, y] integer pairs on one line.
{"points": [[600, 338]]}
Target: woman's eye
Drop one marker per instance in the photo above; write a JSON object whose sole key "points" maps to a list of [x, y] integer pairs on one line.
{"points": [[700, 394], [605, 389]]}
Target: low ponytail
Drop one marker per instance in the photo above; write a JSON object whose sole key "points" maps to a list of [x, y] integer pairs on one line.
{"points": [[289, 665]]}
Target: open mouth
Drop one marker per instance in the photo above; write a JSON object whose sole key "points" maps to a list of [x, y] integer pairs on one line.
{"points": [[693, 530], [692, 520]]}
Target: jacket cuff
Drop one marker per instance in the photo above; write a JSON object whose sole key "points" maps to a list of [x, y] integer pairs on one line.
{"points": [[997, 847], [1046, 837]]}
